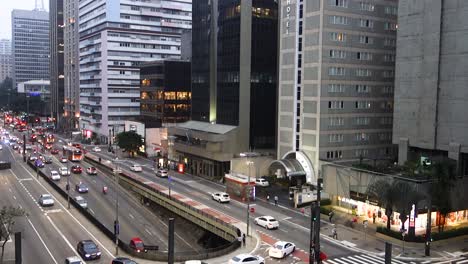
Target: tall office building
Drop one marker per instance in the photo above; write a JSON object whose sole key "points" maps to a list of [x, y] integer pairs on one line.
{"points": [[71, 64], [56, 62], [115, 37], [336, 80], [431, 81], [5, 59], [30, 45], [234, 66]]}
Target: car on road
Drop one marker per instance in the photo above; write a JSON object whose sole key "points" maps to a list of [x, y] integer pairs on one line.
{"points": [[81, 187], [54, 151], [136, 168], [47, 159], [82, 202], [73, 260], [32, 158], [88, 250], [28, 147], [268, 222], [76, 169], [46, 200], [96, 149], [261, 182], [38, 163], [16, 147], [162, 173], [247, 259], [64, 171], [48, 146], [54, 175], [221, 197], [281, 249], [91, 171], [63, 159], [122, 260], [1, 147]]}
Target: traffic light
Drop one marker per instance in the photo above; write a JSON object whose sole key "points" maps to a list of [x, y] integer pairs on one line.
{"points": [[313, 212]]}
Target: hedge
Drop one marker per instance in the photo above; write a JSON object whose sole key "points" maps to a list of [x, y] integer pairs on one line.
{"points": [[421, 239]]}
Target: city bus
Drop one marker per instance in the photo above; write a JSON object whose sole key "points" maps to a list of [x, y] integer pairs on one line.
{"points": [[72, 153]]}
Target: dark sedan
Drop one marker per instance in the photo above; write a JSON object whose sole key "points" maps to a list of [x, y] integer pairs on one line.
{"points": [[81, 188], [88, 250]]}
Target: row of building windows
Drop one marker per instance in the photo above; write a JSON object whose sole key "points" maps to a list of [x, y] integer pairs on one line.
{"points": [[363, 39], [359, 121], [358, 153], [365, 6], [341, 71], [360, 104], [362, 22], [359, 55], [161, 95], [360, 137]]}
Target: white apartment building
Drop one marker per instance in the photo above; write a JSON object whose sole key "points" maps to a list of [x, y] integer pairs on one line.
{"points": [[115, 38], [5, 59]]}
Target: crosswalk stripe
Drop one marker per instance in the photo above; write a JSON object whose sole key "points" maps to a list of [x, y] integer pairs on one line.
{"points": [[357, 260], [371, 259], [363, 259], [463, 261]]}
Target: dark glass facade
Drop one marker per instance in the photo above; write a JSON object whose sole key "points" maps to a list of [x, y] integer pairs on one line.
{"points": [[57, 63], [165, 92]]}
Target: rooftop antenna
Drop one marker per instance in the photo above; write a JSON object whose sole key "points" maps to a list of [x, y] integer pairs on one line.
{"points": [[37, 7]]}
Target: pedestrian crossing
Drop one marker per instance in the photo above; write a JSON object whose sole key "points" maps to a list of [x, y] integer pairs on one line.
{"points": [[459, 260], [361, 259]]}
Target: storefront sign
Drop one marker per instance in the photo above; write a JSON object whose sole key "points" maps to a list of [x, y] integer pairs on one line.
{"points": [[288, 13], [411, 218]]}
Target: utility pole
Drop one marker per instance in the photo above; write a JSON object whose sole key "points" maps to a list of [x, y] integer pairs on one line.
{"points": [[249, 163], [68, 187], [314, 251], [427, 246], [170, 253]]}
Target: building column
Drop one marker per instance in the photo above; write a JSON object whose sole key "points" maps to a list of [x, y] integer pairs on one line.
{"points": [[403, 151], [454, 153]]}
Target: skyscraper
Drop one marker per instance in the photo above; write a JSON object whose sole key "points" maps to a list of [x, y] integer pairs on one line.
{"points": [[71, 64], [115, 37], [431, 81], [56, 61], [30, 45], [336, 79], [5, 59]]}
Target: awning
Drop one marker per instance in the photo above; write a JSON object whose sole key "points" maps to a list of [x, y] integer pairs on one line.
{"points": [[292, 167]]}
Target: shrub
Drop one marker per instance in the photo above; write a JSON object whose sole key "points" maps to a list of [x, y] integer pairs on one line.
{"points": [[325, 202]]}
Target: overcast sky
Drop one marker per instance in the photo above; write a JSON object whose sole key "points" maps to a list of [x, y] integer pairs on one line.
{"points": [[5, 13]]}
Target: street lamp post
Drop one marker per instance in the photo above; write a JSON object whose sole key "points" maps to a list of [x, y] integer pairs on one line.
{"points": [[68, 186], [116, 223], [249, 163]]}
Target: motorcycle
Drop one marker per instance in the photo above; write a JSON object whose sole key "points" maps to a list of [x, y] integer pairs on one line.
{"points": [[104, 190]]}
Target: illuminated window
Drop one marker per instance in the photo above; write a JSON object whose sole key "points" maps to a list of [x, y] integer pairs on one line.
{"points": [[170, 95], [145, 82], [144, 95], [184, 95]]}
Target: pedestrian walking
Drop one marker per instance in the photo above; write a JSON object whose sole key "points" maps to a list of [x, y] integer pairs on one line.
{"points": [[373, 218], [276, 200], [334, 232], [268, 198], [243, 240], [330, 216]]}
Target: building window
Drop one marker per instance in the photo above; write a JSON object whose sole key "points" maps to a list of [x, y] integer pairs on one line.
{"points": [[337, 154], [299, 60], [337, 54], [336, 71], [363, 104], [389, 42], [388, 74], [363, 72], [366, 40], [301, 11], [335, 105], [386, 105], [385, 136], [386, 120], [335, 121], [300, 44], [300, 27], [335, 36], [361, 153], [333, 138], [339, 3], [361, 136], [338, 20], [391, 10], [362, 121], [387, 89], [366, 23], [366, 6], [390, 26], [336, 88], [389, 57], [361, 88], [365, 56], [299, 77]]}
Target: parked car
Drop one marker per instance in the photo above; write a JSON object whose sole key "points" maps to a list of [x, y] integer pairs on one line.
{"points": [[281, 249], [63, 159], [96, 149], [46, 200], [73, 260], [268, 222], [64, 171], [81, 187], [88, 250], [54, 175], [261, 182], [91, 171], [76, 169], [221, 197], [136, 168], [81, 201], [121, 260], [162, 173], [247, 259], [54, 151]]}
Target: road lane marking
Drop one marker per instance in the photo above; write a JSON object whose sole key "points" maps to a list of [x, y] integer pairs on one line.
{"points": [[286, 218], [64, 238], [91, 211], [147, 231], [131, 216], [14, 197], [42, 240]]}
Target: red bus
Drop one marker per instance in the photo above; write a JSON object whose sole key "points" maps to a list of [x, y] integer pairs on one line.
{"points": [[72, 153]]}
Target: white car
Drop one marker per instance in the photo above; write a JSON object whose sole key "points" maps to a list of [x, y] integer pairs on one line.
{"points": [[64, 171], [97, 149], [81, 201], [281, 249], [267, 222], [46, 200], [261, 182], [221, 197], [1, 147], [162, 173], [63, 159], [136, 168], [73, 260], [54, 175], [247, 259]]}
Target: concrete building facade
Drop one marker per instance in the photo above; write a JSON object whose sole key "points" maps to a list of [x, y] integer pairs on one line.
{"points": [[71, 64], [56, 62], [336, 73], [5, 59], [431, 81], [30, 45], [115, 38]]}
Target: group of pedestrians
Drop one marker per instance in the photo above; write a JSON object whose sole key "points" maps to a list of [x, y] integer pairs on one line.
{"points": [[275, 198]]}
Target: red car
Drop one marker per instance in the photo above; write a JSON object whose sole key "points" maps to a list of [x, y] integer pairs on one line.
{"points": [[54, 151], [76, 169], [48, 146], [91, 171]]}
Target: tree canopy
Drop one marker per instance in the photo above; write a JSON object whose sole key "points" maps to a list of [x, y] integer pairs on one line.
{"points": [[7, 221], [129, 141]]}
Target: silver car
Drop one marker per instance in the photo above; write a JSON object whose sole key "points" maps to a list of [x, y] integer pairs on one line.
{"points": [[82, 202], [46, 200]]}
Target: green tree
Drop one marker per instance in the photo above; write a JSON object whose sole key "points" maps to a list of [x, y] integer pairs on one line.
{"points": [[444, 175], [129, 141], [384, 192], [7, 221]]}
